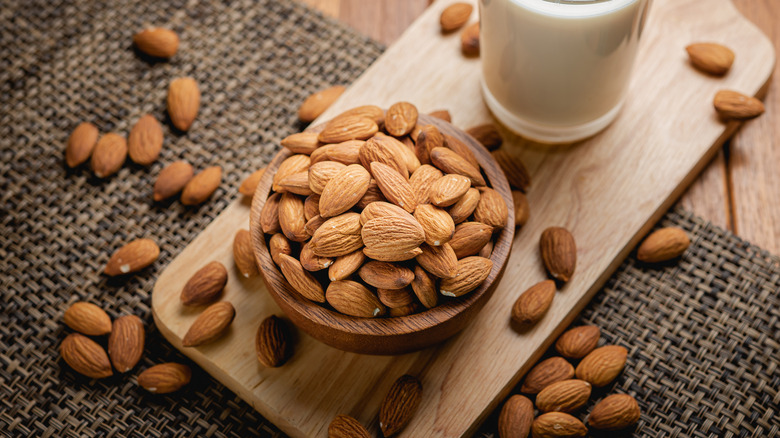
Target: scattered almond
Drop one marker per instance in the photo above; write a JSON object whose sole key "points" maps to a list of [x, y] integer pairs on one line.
{"points": [[210, 325], [249, 185], [454, 16], [486, 134], [564, 396], [737, 106], [578, 342], [559, 253], [602, 365], [157, 42], [514, 169], [516, 418], [88, 319], [469, 40], [243, 254], [126, 343], [205, 285], [558, 425], [183, 102], [85, 356], [132, 257], [172, 180], [145, 140], [399, 405], [344, 426], [662, 245], [522, 209], [317, 103], [534, 303], [546, 373], [202, 186], [472, 272], [165, 377], [109, 154], [81, 143], [615, 412], [272, 343], [711, 58]]}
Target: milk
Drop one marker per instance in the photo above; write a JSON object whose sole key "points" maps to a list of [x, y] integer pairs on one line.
{"points": [[557, 71]]}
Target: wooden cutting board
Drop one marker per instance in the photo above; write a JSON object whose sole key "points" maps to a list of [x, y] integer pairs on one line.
{"points": [[608, 191]]}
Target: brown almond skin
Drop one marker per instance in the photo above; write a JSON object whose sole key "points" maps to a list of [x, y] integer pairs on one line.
{"points": [[297, 183], [272, 343], [301, 280], [578, 342], [559, 253], [602, 365], [381, 149], [516, 417], [471, 273], [461, 210], [615, 412], [469, 238], [462, 149], [712, 58], [454, 16], [428, 139], [317, 103], [312, 262], [372, 112], [88, 319], [344, 426], [278, 244], [302, 142], [344, 190], [132, 257], [165, 378], [534, 303], [469, 40], [338, 236], [157, 42], [109, 155], [243, 254], [399, 405], [491, 209], [442, 115], [522, 209], [409, 309], [202, 186], [448, 190], [353, 299], [386, 275], [346, 128], [210, 325], [85, 356], [292, 217], [400, 119], [205, 285], [440, 261], [421, 181], [662, 245], [249, 184], [311, 206], [487, 135], [145, 140], [81, 143], [437, 223], [394, 186], [558, 425], [732, 105], [126, 343], [346, 265], [172, 180], [564, 396], [183, 102], [545, 373], [290, 166], [269, 215], [395, 298], [514, 169], [449, 162]]}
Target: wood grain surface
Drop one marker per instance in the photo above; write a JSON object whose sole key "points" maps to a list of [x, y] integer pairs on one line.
{"points": [[608, 191], [739, 190]]}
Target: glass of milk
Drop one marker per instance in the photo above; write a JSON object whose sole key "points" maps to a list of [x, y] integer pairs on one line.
{"points": [[556, 71]]}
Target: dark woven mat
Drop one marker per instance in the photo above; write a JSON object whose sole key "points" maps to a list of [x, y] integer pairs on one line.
{"points": [[702, 334]]}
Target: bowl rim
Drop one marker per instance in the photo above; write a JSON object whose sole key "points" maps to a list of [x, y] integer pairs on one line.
{"points": [[385, 326]]}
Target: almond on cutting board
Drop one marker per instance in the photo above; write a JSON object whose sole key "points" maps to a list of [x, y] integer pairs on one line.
{"points": [[713, 58], [210, 325], [533, 304], [157, 41], [272, 343], [183, 102], [206, 285], [85, 356], [132, 257], [662, 245], [559, 253], [249, 184], [344, 426], [172, 180], [108, 155], [615, 412], [202, 186], [400, 404], [317, 103], [733, 105], [81, 143], [469, 40], [126, 343], [516, 417], [165, 377], [145, 140], [545, 373], [454, 16], [522, 209], [578, 342]]}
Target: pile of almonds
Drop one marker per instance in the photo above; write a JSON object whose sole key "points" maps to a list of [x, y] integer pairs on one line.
{"points": [[389, 214]]}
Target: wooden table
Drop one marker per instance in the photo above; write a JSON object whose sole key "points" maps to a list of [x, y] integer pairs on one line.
{"points": [[740, 190]]}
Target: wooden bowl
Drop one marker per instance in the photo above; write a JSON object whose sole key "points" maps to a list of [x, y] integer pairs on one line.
{"points": [[394, 335]]}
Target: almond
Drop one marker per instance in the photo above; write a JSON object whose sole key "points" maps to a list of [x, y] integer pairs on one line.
{"points": [[450, 162], [165, 377], [88, 319], [183, 102], [300, 280], [291, 165], [428, 139], [344, 266], [210, 325], [384, 209], [145, 140], [269, 215], [249, 184], [172, 180], [80, 144], [271, 343], [602, 365], [400, 119], [461, 210], [462, 149], [126, 343], [469, 40], [243, 254], [391, 239], [564, 396], [469, 238], [353, 299], [344, 426], [487, 135], [311, 206], [278, 244], [338, 236], [109, 154], [317, 103], [522, 210], [472, 272], [422, 180], [711, 58], [132, 257], [533, 304], [395, 298], [313, 224], [662, 245], [491, 209], [373, 194], [394, 186], [448, 190], [377, 253], [558, 425], [322, 172], [344, 190], [454, 16], [401, 150], [400, 404], [205, 285], [514, 169], [546, 373], [85, 356], [372, 112], [578, 342], [202, 186], [312, 262], [486, 250], [386, 275], [348, 128], [436, 222], [733, 105], [615, 412], [157, 42], [297, 183], [292, 218], [559, 253], [302, 142], [516, 417], [347, 152], [440, 261], [395, 312], [376, 149], [442, 115]]}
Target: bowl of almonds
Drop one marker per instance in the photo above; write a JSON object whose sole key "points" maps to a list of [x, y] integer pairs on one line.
{"points": [[382, 232]]}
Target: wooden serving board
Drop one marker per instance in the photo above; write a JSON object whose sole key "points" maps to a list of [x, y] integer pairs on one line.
{"points": [[608, 191]]}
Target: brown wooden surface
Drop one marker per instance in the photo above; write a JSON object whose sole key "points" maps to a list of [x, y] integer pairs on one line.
{"points": [[739, 190]]}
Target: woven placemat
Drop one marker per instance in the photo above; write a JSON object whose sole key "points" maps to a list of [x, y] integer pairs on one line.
{"points": [[702, 334]]}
